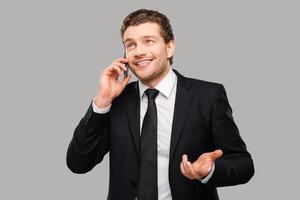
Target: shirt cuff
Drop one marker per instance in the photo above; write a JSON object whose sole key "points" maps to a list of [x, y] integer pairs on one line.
{"points": [[206, 179], [100, 110]]}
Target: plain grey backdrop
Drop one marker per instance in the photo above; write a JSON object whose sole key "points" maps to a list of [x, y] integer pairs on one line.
{"points": [[52, 53]]}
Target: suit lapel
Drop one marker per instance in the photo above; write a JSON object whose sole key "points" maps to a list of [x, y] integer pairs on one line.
{"points": [[182, 105], [133, 116]]}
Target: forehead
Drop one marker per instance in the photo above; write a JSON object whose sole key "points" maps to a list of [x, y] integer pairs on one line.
{"points": [[141, 31]]}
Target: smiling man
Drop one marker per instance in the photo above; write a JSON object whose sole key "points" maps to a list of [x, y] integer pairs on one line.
{"points": [[168, 136], [148, 52]]}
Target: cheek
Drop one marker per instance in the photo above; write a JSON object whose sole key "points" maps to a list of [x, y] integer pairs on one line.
{"points": [[162, 54]]}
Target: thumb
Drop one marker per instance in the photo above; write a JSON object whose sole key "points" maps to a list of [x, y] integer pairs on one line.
{"points": [[216, 154], [125, 81]]}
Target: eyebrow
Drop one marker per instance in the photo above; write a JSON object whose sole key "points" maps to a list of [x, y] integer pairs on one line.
{"points": [[144, 37]]}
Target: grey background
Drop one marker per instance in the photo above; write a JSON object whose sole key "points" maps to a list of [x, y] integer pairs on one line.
{"points": [[52, 53]]}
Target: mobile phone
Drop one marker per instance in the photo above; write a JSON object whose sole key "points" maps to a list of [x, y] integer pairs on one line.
{"points": [[127, 66]]}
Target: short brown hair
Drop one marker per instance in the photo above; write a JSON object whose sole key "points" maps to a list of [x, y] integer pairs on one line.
{"points": [[143, 16]]}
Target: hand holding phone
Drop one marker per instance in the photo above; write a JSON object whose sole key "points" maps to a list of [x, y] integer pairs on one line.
{"points": [[127, 66], [111, 82]]}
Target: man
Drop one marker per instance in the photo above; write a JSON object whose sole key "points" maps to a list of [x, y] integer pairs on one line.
{"points": [[169, 137]]}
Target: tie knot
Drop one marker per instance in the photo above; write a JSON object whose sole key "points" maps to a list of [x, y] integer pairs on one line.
{"points": [[151, 93]]}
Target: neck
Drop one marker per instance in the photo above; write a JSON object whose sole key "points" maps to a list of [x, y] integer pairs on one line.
{"points": [[152, 83]]}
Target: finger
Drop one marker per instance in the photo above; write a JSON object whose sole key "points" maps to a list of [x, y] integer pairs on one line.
{"points": [[184, 163], [125, 81], [114, 70], [118, 68], [121, 65], [191, 170], [110, 73], [121, 60], [216, 154], [185, 160], [187, 168], [183, 171]]}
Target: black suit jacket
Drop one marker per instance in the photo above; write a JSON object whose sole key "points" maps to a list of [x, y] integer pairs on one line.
{"points": [[202, 123]]}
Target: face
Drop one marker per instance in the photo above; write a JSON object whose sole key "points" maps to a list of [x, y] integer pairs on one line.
{"points": [[147, 52]]}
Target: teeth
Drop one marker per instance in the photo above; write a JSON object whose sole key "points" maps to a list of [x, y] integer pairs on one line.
{"points": [[144, 62]]}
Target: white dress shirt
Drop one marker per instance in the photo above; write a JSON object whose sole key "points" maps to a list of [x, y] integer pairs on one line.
{"points": [[165, 102]]}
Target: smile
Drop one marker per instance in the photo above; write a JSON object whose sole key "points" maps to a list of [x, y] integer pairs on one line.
{"points": [[143, 63]]}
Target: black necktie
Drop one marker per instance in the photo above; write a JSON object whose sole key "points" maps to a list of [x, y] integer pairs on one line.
{"points": [[148, 189]]}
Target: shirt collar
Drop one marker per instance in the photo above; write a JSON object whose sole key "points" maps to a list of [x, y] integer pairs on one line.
{"points": [[165, 86]]}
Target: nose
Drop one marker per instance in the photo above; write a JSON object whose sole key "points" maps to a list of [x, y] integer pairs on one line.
{"points": [[140, 50]]}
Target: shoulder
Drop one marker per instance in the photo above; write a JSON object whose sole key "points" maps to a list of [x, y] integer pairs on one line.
{"points": [[131, 87], [198, 85], [204, 84], [130, 91]]}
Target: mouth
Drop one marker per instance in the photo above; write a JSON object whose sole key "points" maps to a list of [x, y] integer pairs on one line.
{"points": [[143, 63]]}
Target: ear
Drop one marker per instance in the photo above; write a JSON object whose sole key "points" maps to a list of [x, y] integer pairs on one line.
{"points": [[170, 48]]}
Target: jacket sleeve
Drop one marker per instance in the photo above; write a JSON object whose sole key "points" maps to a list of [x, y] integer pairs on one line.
{"points": [[89, 143], [236, 165]]}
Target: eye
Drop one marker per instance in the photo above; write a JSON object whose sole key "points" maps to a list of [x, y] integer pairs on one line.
{"points": [[129, 46], [149, 42]]}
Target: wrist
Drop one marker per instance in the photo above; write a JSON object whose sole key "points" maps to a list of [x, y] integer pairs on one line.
{"points": [[205, 179], [101, 102]]}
